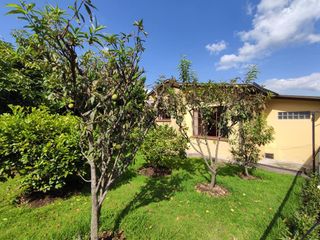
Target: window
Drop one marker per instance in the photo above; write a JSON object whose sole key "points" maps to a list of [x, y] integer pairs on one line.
{"points": [[211, 128], [269, 155], [293, 115], [164, 116]]}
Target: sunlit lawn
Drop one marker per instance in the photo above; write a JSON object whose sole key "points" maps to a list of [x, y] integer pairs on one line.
{"points": [[162, 208]]}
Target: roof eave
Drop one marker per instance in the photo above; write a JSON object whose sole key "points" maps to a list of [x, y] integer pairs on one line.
{"points": [[298, 97]]}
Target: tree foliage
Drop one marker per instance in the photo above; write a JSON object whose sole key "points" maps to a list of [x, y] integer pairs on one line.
{"points": [[164, 147], [39, 146], [247, 141], [20, 77], [237, 101], [99, 76]]}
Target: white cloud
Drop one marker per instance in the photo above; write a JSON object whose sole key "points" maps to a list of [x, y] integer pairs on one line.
{"points": [[314, 38], [216, 47], [310, 82], [250, 8], [276, 24]]}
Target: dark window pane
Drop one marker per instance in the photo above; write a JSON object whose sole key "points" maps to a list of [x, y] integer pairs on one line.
{"points": [[164, 115], [210, 126], [307, 115]]}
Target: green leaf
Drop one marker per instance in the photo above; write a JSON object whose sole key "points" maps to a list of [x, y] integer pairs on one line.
{"points": [[16, 11], [99, 28], [82, 18], [13, 5], [88, 11], [88, 2], [23, 18]]}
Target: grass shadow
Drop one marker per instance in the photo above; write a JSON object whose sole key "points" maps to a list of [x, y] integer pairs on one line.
{"points": [[197, 166], [125, 178], [278, 214], [155, 190], [229, 169], [192, 165]]}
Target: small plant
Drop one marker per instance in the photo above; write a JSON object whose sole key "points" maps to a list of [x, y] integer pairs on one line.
{"points": [[309, 212], [247, 141], [42, 148], [164, 147]]}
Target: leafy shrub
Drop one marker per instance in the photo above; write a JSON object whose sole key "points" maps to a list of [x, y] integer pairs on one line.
{"points": [[309, 211], [164, 147], [42, 148], [251, 136]]}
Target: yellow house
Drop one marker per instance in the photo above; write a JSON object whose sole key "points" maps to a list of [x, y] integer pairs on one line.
{"points": [[296, 139]]}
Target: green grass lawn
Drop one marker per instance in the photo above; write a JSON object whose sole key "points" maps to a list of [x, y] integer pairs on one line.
{"points": [[163, 208]]}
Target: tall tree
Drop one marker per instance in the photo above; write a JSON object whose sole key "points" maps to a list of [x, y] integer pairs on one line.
{"points": [[100, 77], [213, 107]]}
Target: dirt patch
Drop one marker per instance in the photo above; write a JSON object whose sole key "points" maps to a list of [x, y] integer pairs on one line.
{"points": [[216, 191], [250, 177], [42, 202], [39, 199], [154, 172], [36, 200], [109, 235]]}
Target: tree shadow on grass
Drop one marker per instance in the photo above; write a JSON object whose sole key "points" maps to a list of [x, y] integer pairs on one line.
{"points": [[125, 178], [197, 166], [229, 169], [192, 165], [278, 214], [155, 190]]}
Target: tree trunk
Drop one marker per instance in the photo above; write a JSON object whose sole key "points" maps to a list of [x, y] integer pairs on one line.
{"points": [[217, 150], [214, 165], [95, 212], [246, 171], [213, 179]]}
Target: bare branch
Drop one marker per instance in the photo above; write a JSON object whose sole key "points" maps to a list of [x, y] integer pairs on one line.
{"points": [[89, 181]]}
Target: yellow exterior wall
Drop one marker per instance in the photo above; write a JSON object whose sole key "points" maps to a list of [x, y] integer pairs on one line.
{"points": [[292, 137]]}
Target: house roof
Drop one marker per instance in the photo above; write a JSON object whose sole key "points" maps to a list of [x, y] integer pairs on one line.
{"points": [[297, 97], [174, 83], [274, 95], [282, 96]]}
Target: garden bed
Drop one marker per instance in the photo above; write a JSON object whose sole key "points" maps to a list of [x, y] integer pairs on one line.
{"points": [[151, 171]]}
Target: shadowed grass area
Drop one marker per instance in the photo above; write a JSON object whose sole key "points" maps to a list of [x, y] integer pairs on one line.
{"points": [[163, 208]]}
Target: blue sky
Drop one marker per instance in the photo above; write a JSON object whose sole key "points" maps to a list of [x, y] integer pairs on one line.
{"points": [[221, 38]]}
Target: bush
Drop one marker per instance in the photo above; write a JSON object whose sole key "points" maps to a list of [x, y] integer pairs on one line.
{"points": [[42, 148], [309, 211], [164, 147], [253, 134]]}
